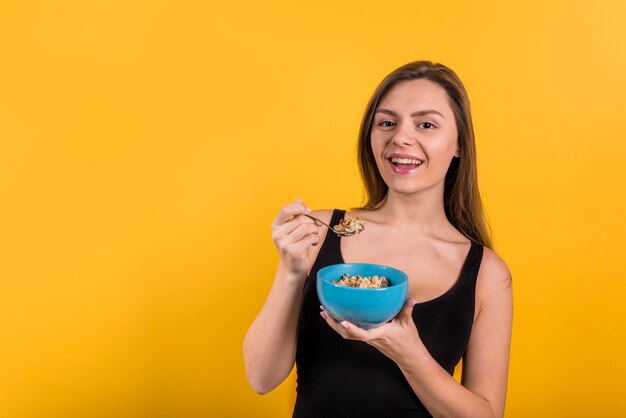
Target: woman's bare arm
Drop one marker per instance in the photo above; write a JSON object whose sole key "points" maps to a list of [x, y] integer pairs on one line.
{"points": [[270, 344]]}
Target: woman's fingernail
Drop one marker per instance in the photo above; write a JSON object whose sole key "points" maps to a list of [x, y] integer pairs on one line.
{"points": [[344, 324], [308, 210], [323, 315]]}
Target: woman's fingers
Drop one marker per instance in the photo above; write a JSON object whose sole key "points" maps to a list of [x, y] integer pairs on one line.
{"points": [[354, 332], [297, 244], [288, 211], [334, 324], [293, 232], [289, 221], [293, 235], [406, 314], [292, 225], [346, 329]]}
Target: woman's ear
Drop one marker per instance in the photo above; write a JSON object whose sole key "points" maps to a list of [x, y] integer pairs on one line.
{"points": [[457, 152]]}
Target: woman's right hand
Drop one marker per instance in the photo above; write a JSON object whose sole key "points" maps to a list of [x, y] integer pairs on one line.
{"points": [[293, 235]]}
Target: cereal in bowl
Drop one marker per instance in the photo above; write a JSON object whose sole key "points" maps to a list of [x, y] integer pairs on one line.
{"points": [[373, 282]]}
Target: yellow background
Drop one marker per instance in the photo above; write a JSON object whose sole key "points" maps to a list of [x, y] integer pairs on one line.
{"points": [[145, 147]]}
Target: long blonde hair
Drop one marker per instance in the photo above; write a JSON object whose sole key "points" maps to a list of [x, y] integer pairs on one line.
{"points": [[462, 202]]}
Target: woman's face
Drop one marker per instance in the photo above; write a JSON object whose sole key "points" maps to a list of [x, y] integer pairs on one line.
{"points": [[414, 136]]}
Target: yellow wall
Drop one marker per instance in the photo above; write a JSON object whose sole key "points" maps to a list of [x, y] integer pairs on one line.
{"points": [[145, 147]]}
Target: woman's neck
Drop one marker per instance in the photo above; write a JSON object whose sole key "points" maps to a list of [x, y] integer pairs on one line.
{"points": [[423, 212]]}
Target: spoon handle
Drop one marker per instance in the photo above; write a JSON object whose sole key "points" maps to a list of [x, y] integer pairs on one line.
{"points": [[323, 223]]}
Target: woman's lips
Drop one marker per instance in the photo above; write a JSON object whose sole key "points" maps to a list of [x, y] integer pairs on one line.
{"points": [[403, 168]]}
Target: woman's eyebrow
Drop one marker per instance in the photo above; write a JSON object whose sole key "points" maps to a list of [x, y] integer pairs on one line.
{"points": [[418, 113]]}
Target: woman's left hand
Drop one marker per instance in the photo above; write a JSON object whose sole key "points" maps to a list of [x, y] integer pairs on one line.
{"points": [[395, 339]]}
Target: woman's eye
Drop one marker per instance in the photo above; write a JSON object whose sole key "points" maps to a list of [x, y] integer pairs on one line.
{"points": [[426, 125], [386, 123]]}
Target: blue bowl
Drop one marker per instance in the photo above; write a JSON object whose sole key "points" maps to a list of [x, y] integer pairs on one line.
{"points": [[367, 308]]}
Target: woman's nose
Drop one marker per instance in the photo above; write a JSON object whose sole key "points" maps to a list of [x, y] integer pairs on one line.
{"points": [[400, 140], [404, 136]]}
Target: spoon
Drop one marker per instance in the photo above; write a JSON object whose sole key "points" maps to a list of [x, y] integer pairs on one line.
{"points": [[338, 233]]}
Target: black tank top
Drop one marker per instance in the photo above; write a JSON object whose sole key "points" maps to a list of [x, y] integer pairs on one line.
{"points": [[344, 378]]}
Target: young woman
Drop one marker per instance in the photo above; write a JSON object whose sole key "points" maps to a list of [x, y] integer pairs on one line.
{"points": [[423, 216]]}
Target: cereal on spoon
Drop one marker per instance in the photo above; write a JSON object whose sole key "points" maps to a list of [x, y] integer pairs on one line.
{"points": [[349, 226]]}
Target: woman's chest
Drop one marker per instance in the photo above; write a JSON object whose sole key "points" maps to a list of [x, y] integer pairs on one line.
{"points": [[432, 270]]}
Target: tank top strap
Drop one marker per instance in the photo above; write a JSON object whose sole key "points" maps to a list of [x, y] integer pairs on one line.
{"points": [[469, 272], [330, 250], [331, 242]]}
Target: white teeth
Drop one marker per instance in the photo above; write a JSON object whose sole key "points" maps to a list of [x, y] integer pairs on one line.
{"points": [[405, 161]]}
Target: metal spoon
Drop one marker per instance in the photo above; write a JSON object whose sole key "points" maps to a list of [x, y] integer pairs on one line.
{"points": [[340, 234]]}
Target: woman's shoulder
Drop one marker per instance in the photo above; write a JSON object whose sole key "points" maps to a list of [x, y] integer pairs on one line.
{"points": [[494, 277], [493, 267]]}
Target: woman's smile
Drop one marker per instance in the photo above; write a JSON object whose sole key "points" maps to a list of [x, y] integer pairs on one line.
{"points": [[404, 164]]}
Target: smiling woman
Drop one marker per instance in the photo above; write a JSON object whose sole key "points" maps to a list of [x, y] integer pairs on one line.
{"points": [[443, 89], [424, 217]]}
